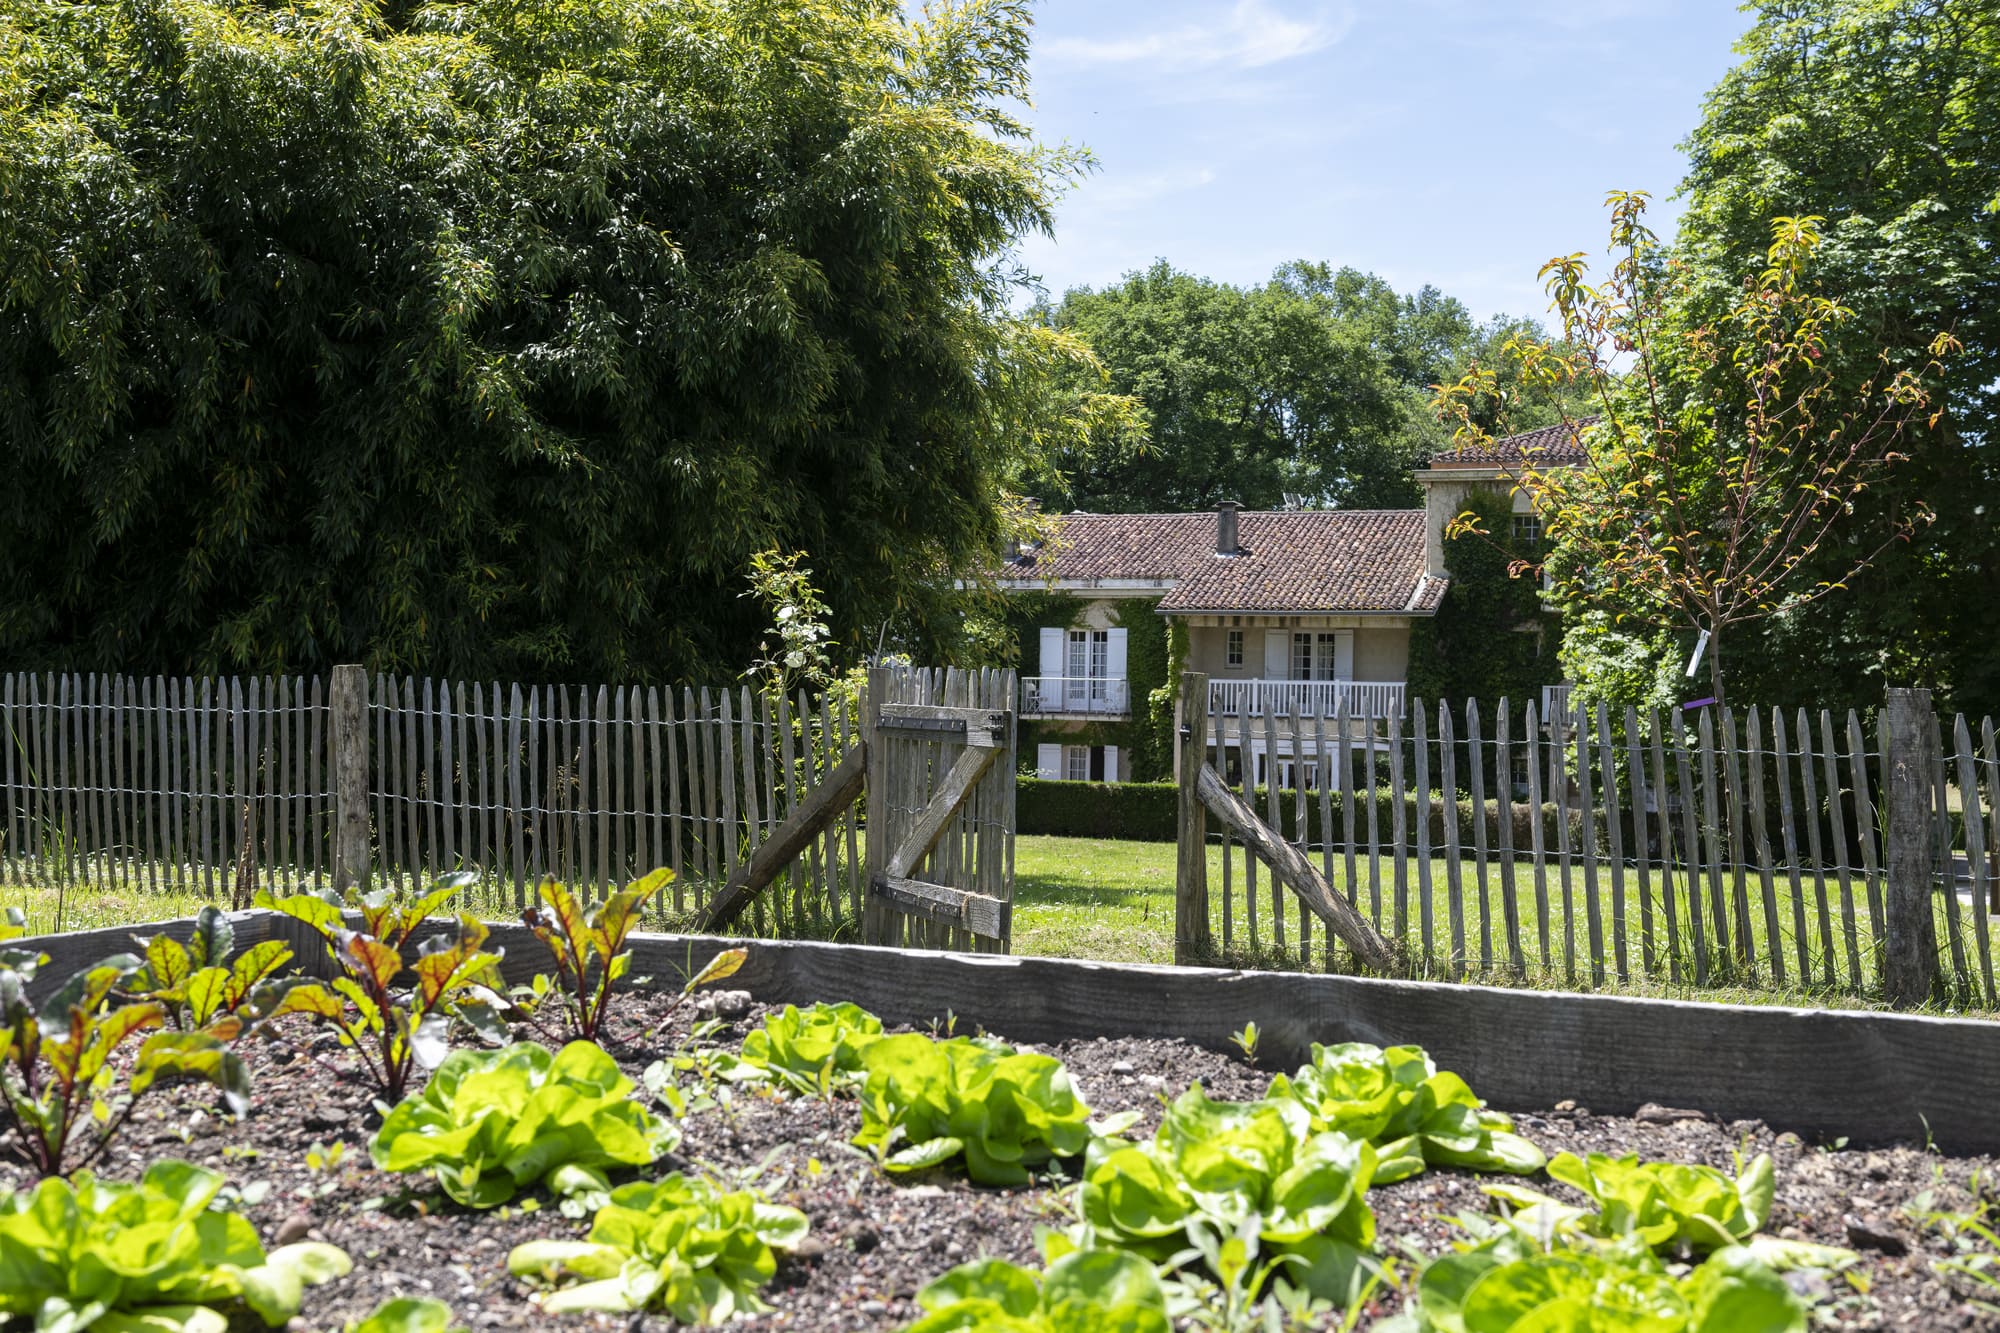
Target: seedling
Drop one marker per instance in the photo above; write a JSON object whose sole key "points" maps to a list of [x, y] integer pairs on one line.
{"points": [[195, 982], [58, 1094], [493, 1123], [393, 1032], [588, 948], [679, 1244]]}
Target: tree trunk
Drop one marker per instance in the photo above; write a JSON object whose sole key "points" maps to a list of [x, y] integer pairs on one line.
{"points": [[1715, 663]]}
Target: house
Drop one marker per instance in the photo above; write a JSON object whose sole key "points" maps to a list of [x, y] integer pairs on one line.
{"points": [[1299, 617]]}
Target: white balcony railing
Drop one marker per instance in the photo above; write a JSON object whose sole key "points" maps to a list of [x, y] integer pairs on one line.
{"points": [[1088, 696], [1309, 698], [1555, 704]]}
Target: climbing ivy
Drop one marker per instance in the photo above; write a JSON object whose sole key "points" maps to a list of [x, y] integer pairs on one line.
{"points": [[1491, 638]]}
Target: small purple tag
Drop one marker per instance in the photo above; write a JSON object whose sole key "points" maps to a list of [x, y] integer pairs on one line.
{"points": [[1698, 703]]}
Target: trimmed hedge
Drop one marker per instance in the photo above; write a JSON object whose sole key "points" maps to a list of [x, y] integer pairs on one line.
{"points": [[1146, 812], [1135, 811]]}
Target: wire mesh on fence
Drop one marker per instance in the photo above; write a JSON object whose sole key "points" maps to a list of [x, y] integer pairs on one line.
{"points": [[164, 785], [1603, 847]]}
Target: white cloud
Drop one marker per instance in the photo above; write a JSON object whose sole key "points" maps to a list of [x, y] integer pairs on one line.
{"points": [[1252, 34]]}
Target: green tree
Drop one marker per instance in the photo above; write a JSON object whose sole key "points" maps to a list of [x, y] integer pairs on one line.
{"points": [[497, 338], [1724, 457], [1883, 117], [1316, 384], [1248, 395], [1425, 339]]}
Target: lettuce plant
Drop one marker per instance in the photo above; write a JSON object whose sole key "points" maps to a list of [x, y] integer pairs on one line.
{"points": [[680, 1245], [13, 923], [58, 1095], [150, 1257], [1007, 1112], [407, 1314], [394, 1030], [1668, 1205], [1507, 1284], [493, 1123], [1414, 1115], [587, 947], [195, 982], [1217, 1170], [1085, 1291], [814, 1051]]}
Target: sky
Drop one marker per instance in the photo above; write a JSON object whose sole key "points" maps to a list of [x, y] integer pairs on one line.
{"points": [[1458, 143]]}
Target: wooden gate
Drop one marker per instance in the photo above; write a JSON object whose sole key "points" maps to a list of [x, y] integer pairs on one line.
{"points": [[935, 764], [940, 809]]}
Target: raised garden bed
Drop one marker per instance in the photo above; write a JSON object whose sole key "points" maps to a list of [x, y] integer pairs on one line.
{"points": [[1572, 1069]]}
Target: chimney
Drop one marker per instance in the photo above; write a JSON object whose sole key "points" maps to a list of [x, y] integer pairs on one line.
{"points": [[1225, 528]]}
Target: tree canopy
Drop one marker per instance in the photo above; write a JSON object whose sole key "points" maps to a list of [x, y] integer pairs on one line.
{"points": [[497, 338], [1882, 117], [1724, 457], [1315, 384]]}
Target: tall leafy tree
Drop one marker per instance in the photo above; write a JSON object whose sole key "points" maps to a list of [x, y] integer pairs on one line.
{"points": [[1883, 117], [1315, 385], [1724, 460], [497, 338], [1248, 395]]}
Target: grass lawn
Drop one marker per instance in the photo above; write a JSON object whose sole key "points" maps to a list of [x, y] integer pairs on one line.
{"points": [[1113, 901], [1096, 898]]}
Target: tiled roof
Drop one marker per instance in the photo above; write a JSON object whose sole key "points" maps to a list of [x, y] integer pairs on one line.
{"points": [[1289, 562], [1550, 444]]}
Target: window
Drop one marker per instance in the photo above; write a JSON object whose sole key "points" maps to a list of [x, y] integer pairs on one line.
{"points": [[1290, 771], [1087, 665], [1089, 763], [1315, 656], [1089, 654], [1233, 648], [1528, 529], [1076, 763]]}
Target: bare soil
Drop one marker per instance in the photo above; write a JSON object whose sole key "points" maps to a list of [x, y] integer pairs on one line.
{"points": [[876, 1239]]}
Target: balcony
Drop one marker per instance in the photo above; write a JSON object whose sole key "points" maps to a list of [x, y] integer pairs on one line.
{"points": [[1075, 696], [1306, 698]]}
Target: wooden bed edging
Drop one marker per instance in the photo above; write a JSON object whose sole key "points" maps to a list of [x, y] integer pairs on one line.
{"points": [[1873, 1078]]}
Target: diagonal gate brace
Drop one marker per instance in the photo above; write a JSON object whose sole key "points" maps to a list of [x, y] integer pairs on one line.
{"points": [[971, 765], [819, 809], [1299, 874]]}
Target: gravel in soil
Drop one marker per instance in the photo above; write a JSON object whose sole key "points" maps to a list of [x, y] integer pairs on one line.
{"points": [[876, 1239]]}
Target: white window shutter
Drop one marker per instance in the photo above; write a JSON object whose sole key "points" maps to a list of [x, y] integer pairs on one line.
{"points": [[1343, 655], [1052, 652], [1048, 759], [1277, 655], [1114, 655], [1111, 758]]}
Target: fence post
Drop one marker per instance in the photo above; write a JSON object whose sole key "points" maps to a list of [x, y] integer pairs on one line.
{"points": [[1191, 931], [347, 707], [875, 790], [1910, 961]]}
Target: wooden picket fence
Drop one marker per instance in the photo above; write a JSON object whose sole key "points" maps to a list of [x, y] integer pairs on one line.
{"points": [[1722, 847], [164, 784], [225, 787]]}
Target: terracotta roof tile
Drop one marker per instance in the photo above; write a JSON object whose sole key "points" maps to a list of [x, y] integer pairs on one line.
{"points": [[1550, 444], [1311, 561]]}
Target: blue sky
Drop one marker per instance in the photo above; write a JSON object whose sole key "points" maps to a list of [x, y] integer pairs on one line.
{"points": [[1452, 142]]}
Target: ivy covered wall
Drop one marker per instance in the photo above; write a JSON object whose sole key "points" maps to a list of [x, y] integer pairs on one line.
{"points": [[1147, 738], [1476, 646]]}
